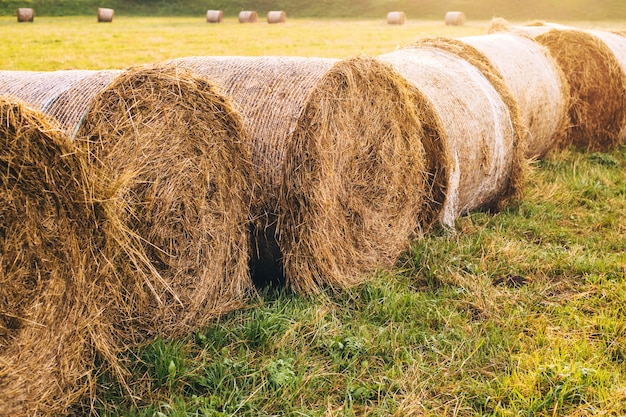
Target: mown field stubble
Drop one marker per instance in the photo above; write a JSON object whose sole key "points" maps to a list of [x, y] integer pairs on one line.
{"points": [[517, 313]]}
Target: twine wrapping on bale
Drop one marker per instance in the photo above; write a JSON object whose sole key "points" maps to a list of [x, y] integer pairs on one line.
{"points": [[276, 17], [105, 15], [396, 18], [53, 259], [598, 93], [25, 14], [214, 16], [248, 17], [537, 83], [454, 18], [175, 161], [337, 145], [480, 122]]}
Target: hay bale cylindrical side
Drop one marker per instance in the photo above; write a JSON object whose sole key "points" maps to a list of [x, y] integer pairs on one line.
{"points": [[537, 83], [455, 18], [105, 15], [52, 258], [215, 16], [277, 16], [338, 149], [174, 158], [248, 16], [25, 14], [396, 18], [486, 163]]}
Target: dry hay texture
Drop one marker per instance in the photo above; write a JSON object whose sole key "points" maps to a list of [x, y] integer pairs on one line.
{"points": [[337, 145], [596, 79], [454, 18], [53, 259], [276, 17], [479, 121], [105, 15], [25, 14], [214, 16], [175, 163], [248, 16], [537, 83], [396, 18]]}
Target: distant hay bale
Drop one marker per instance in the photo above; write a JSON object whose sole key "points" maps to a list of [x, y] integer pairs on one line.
{"points": [[337, 145], [248, 17], [214, 16], [480, 123], [537, 83], [25, 14], [396, 18], [455, 18], [52, 260], [105, 15], [276, 17], [174, 158]]}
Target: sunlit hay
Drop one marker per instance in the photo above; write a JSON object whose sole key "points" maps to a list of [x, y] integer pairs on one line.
{"points": [[178, 171], [25, 14], [105, 15], [214, 16], [537, 83], [248, 16], [337, 145], [278, 16], [481, 126], [396, 18], [532, 28], [52, 261], [455, 18]]}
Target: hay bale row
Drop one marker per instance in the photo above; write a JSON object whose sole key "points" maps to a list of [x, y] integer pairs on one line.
{"points": [[338, 198]]}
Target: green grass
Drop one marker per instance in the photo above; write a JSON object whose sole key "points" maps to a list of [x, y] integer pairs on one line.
{"points": [[519, 313]]}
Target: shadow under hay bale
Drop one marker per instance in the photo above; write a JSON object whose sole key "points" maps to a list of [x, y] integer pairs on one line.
{"points": [[598, 93], [454, 18], [535, 80], [248, 16], [338, 149], [396, 18], [480, 123], [276, 17], [105, 15], [25, 14], [53, 259], [214, 16], [175, 161]]}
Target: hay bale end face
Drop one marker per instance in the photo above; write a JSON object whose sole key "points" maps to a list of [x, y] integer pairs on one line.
{"points": [[276, 17], [337, 146], [455, 18], [396, 18], [248, 17], [105, 15], [214, 16], [25, 14]]}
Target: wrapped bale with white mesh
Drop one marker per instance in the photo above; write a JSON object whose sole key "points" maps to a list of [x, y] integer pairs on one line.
{"points": [[214, 16], [175, 162], [480, 123], [338, 148], [248, 16], [277, 16]]}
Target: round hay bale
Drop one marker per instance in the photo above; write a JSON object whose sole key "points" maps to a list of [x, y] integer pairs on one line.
{"points": [[396, 18], [214, 16], [455, 18], [105, 15], [276, 17], [537, 83], [175, 161], [25, 14], [479, 122], [337, 145], [248, 17], [52, 257]]}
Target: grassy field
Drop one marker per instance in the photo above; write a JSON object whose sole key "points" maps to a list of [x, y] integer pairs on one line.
{"points": [[519, 313]]}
